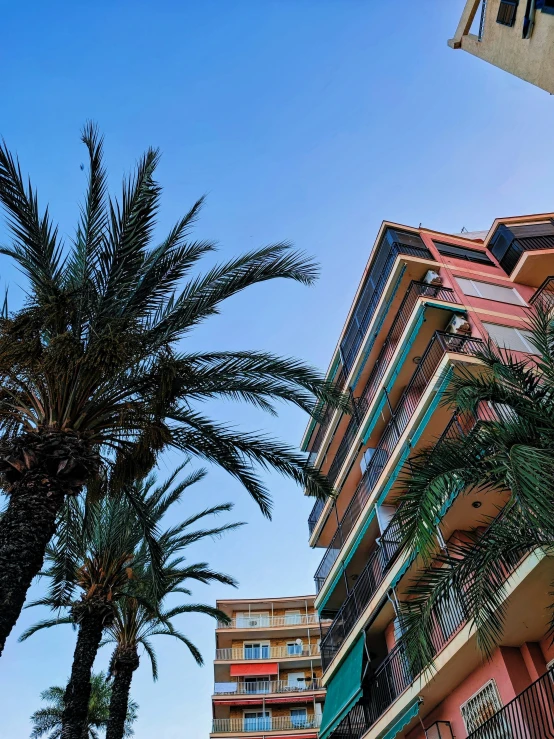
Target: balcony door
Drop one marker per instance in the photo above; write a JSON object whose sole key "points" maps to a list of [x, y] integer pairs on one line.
{"points": [[258, 684], [296, 681], [299, 718], [295, 648], [257, 721], [256, 650], [252, 620]]}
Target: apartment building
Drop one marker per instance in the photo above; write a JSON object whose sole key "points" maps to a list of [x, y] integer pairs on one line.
{"points": [[267, 670], [426, 302], [515, 35]]}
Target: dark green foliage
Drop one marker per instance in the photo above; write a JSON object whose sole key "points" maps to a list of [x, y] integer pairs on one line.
{"points": [[509, 458], [47, 721]]}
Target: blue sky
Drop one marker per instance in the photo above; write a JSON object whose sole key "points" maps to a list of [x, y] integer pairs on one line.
{"points": [[309, 120]]}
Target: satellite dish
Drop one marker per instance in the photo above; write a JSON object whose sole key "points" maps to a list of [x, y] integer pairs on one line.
{"points": [[299, 642]]}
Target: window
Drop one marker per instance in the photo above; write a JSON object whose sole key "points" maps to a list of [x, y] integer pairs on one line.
{"points": [[294, 647], [296, 681], [462, 252], [546, 5], [489, 291], [256, 650], [293, 617], [257, 721], [257, 684], [299, 718], [481, 707], [510, 337], [507, 12], [252, 620]]}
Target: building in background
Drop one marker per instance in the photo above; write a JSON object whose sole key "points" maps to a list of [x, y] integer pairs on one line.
{"points": [[425, 303], [267, 670], [515, 35]]}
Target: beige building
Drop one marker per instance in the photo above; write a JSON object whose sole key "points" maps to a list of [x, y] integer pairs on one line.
{"points": [[267, 670], [515, 35]]}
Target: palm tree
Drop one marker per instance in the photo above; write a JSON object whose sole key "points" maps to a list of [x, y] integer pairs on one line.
{"points": [[100, 548], [144, 615], [48, 720], [509, 457], [90, 367]]}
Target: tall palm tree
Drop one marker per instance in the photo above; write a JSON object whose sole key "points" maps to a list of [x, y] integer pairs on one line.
{"points": [[92, 365], [509, 457], [48, 720], [141, 616], [101, 548]]}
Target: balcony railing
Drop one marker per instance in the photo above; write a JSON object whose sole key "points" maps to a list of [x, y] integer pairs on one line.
{"points": [[544, 295], [373, 290], [530, 715], [385, 554], [264, 652], [509, 243], [263, 622], [314, 445], [264, 687], [415, 290], [440, 344], [397, 672], [263, 724]]}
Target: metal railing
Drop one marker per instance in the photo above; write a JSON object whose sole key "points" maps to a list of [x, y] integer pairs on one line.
{"points": [[263, 652], [416, 289], [440, 344], [544, 295], [522, 244], [384, 555], [264, 687], [267, 723], [482, 19], [313, 446], [530, 715], [264, 622], [371, 294]]}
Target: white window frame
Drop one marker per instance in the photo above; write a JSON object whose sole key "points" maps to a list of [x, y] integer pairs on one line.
{"points": [[263, 710], [296, 646], [305, 717], [261, 642], [476, 283], [482, 689], [520, 333], [244, 616]]}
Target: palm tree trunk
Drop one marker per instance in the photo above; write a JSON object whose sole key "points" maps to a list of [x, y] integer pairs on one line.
{"points": [[125, 663], [26, 528], [77, 693]]}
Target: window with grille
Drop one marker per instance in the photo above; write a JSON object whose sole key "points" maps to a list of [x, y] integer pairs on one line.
{"points": [[507, 12], [481, 706], [462, 252]]}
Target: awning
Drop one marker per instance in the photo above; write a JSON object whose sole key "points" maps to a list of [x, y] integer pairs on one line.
{"points": [[403, 720], [234, 701], [259, 668], [344, 689]]}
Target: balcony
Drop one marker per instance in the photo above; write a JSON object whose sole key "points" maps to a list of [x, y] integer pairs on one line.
{"points": [[415, 290], [271, 622], [510, 243], [265, 724], [292, 651], [441, 344], [385, 554], [544, 296], [394, 244], [530, 715], [314, 444], [265, 687]]}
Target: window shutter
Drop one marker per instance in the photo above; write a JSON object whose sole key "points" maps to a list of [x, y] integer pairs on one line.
{"points": [[507, 12]]}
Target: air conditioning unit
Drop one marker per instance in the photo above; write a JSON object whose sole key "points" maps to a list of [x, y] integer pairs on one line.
{"points": [[366, 459], [458, 325], [432, 278]]}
